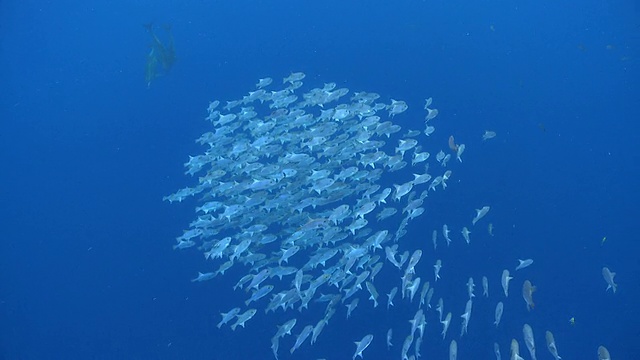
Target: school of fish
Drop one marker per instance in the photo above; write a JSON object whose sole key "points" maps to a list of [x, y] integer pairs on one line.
{"points": [[291, 188]]}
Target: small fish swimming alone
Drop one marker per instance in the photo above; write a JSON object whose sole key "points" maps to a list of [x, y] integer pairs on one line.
{"points": [[524, 263], [498, 313], [608, 277], [160, 54], [603, 353], [480, 213], [488, 134]]}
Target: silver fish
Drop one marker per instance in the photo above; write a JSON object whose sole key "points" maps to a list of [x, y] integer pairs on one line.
{"points": [[608, 276], [362, 345]]}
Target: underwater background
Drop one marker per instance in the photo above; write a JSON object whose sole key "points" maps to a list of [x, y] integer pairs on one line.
{"points": [[88, 149]]}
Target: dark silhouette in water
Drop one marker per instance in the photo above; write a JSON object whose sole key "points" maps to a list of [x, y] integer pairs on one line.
{"points": [[159, 54]]}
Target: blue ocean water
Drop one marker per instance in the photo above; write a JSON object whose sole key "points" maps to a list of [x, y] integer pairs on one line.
{"points": [[88, 150]]}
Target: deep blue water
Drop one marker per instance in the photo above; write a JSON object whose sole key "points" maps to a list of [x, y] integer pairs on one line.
{"points": [[88, 152]]}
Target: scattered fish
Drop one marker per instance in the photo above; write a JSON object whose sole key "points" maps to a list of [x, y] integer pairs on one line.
{"points": [[288, 184]]}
